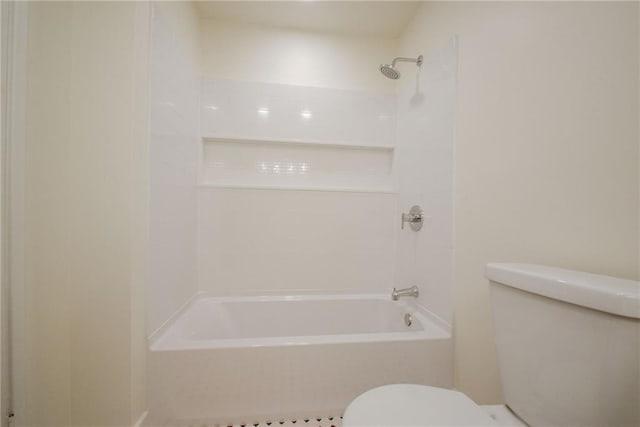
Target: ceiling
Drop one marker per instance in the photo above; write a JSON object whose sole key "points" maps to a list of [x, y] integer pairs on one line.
{"points": [[372, 18]]}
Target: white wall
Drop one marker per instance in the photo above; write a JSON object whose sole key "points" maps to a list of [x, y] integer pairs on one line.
{"points": [[82, 322], [174, 125], [267, 54], [546, 149], [424, 170]]}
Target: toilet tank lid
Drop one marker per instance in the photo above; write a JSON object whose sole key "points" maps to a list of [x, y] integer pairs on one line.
{"points": [[604, 293]]}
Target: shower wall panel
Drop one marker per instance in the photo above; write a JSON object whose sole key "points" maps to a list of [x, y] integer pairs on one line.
{"points": [[265, 240], [257, 110], [174, 128], [296, 188], [424, 173]]}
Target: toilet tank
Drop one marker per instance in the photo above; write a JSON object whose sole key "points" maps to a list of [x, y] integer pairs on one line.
{"points": [[568, 345]]}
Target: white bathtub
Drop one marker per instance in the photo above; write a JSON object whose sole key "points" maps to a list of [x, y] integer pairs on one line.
{"points": [[269, 358]]}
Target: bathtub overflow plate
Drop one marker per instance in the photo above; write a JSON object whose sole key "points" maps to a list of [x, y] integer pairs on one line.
{"points": [[408, 320]]}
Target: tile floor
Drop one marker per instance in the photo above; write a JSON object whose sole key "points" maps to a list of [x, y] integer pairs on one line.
{"points": [[311, 422], [503, 416], [316, 422]]}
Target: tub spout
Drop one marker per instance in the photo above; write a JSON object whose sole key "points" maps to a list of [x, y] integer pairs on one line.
{"points": [[407, 292]]}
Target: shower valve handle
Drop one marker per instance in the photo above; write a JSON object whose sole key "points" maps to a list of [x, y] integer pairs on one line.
{"points": [[415, 218]]}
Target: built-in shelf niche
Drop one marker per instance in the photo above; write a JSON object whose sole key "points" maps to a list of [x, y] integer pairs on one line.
{"points": [[295, 164]]}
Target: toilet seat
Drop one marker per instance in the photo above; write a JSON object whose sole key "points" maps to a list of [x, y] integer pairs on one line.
{"points": [[414, 405]]}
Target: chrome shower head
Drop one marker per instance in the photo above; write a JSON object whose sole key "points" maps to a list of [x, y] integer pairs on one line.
{"points": [[390, 72]]}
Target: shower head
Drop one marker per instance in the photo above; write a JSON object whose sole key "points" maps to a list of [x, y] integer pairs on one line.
{"points": [[389, 71]]}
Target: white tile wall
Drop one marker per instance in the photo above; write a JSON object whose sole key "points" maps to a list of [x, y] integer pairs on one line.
{"points": [[424, 173], [255, 110], [174, 127], [264, 240], [286, 381], [276, 239], [251, 239]]}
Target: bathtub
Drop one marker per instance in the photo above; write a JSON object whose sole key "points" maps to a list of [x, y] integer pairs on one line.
{"points": [[250, 359]]}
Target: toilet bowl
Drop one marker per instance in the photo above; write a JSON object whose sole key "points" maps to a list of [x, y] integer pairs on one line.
{"points": [[568, 346]]}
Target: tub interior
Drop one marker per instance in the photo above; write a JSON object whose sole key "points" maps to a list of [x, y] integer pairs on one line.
{"points": [[260, 320]]}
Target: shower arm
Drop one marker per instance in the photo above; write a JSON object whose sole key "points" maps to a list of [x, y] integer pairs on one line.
{"points": [[417, 60]]}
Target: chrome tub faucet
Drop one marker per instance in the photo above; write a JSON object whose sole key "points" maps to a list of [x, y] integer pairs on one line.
{"points": [[407, 292]]}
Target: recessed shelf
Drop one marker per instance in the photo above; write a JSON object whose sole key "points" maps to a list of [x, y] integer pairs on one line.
{"points": [[296, 165], [300, 188], [300, 142]]}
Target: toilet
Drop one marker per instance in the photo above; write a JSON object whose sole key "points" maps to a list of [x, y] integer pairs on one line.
{"points": [[568, 346]]}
